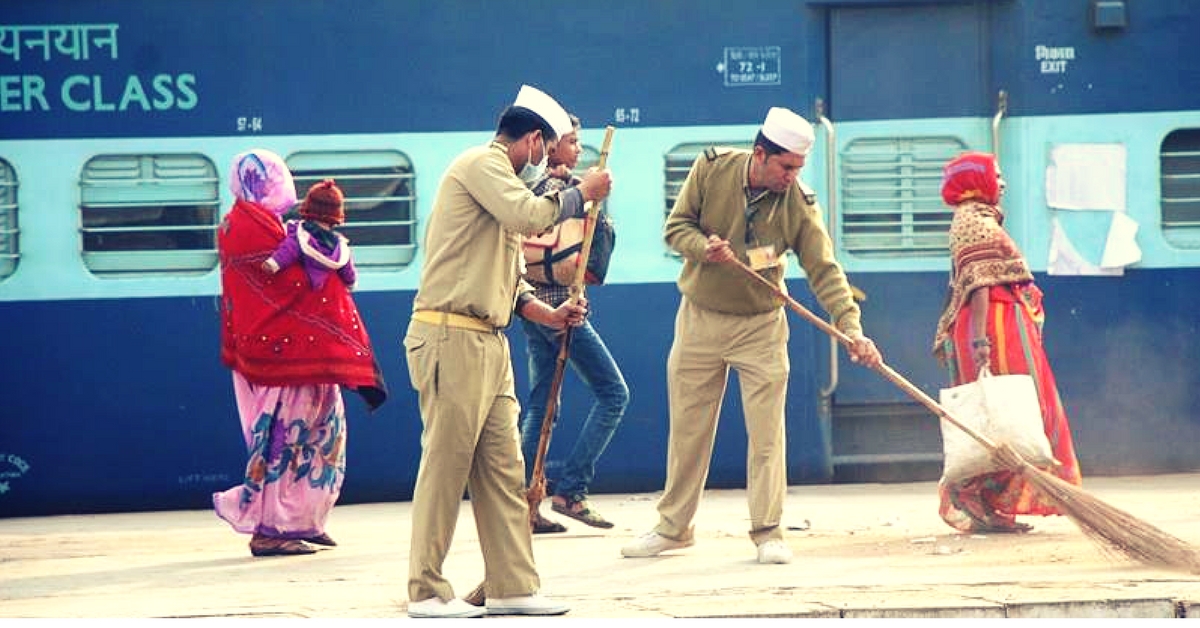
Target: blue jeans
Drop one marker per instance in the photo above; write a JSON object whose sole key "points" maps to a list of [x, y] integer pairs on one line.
{"points": [[590, 359]]}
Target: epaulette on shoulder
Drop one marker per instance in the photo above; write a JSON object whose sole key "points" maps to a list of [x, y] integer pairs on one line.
{"points": [[810, 195], [712, 152]]}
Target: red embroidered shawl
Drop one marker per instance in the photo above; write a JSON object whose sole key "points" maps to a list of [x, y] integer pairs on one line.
{"points": [[982, 254], [278, 331]]}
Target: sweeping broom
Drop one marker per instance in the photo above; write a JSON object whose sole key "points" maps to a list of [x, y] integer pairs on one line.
{"points": [[536, 492], [1114, 529]]}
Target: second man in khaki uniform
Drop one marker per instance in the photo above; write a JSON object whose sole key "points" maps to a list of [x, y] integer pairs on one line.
{"points": [[745, 205]]}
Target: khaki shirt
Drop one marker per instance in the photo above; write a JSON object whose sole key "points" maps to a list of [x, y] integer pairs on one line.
{"points": [[480, 215], [713, 201]]}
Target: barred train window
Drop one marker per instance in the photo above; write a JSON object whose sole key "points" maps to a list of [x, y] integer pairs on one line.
{"points": [[891, 202], [10, 250], [149, 214], [381, 200], [1180, 184], [588, 158], [676, 165]]}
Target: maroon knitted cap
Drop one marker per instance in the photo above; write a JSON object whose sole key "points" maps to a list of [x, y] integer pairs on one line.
{"points": [[324, 202]]}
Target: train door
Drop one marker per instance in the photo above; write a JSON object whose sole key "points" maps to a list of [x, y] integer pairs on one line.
{"points": [[908, 88]]}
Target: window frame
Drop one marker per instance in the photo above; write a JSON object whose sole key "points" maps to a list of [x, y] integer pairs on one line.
{"points": [[10, 228], [148, 196], [914, 222], [1179, 188]]}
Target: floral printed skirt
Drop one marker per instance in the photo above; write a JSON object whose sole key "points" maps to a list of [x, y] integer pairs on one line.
{"points": [[296, 439]]}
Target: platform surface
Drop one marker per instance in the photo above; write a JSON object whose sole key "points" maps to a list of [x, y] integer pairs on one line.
{"points": [[861, 551]]}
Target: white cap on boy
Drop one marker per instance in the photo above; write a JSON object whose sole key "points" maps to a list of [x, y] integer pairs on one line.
{"points": [[545, 107], [790, 131]]}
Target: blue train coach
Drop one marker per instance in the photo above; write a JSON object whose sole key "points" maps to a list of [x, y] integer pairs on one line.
{"points": [[118, 121]]}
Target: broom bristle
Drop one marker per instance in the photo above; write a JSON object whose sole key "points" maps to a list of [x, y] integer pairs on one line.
{"points": [[1113, 528]]}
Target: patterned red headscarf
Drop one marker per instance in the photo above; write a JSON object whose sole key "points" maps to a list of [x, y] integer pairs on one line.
{"points": [[971, 176]]}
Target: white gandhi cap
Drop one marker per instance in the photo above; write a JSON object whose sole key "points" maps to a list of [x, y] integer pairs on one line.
{"points": [[788, 130], [546, 108]]}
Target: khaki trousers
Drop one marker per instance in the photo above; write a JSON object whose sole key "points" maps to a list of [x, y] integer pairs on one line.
{"points": [[707, 344], [470, 441]]}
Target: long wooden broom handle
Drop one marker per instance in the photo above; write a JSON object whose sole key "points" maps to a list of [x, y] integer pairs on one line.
{"points": [[883, 368]]}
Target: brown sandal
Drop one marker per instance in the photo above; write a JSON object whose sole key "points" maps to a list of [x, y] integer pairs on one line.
{"points": [[577, 508], [1013, 528], [268, 546], [322, 539], [542, 525]]}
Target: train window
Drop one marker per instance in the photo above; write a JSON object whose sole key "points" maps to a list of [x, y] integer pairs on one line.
{"points": [[10, 250], [588, 158], [149, 214], [677, 163], [381, 200], [891, 202], [1180, 184]]}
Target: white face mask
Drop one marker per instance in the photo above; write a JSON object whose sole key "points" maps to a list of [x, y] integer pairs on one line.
{"points": [[530, 173]]}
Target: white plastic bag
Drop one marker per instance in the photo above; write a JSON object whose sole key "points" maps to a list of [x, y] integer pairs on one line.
{"points": [[1003, 408]]}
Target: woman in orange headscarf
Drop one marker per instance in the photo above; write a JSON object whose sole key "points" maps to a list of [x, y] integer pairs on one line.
{"points": [[993, 318]]}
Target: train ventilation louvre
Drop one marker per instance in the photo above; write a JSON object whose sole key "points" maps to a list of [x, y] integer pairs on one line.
{"points": [[1180, 172], [10, 247], [891, 202], [885, 442], [149, 214]]}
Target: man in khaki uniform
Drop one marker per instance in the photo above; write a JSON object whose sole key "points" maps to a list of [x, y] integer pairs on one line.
{"points": [[459, 362], [747, 205]]}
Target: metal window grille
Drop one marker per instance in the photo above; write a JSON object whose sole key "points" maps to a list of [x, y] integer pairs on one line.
{"points": [[10, 247], [148, 214], [1180, 183], [588, 158], [891, 201], [380, 200]]}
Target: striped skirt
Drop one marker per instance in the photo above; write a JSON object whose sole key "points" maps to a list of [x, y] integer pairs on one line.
{"points": [[991, 501]]}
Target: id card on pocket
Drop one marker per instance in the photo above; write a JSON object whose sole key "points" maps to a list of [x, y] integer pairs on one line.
{"points": [[763, 257]]}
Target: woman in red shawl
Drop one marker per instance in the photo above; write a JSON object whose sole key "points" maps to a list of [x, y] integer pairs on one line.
{"points": [[993, 318], [290, 346]]}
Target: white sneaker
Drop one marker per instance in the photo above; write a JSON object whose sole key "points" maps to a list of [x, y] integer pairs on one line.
{"points": [[534, 604], [436, 607], [652, 544], [774, 552]]}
